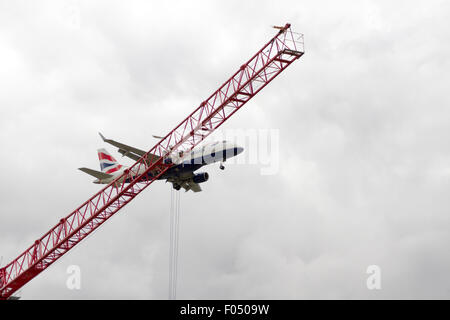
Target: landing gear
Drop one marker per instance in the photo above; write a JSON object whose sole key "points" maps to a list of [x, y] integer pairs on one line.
{"points": [[176, 186], [221, 167]]}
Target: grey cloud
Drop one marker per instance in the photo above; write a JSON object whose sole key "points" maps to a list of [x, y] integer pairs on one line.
{"points": [[364, 156]]}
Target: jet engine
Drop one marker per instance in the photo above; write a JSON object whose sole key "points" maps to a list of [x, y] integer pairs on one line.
{"points": [[201, 177]]}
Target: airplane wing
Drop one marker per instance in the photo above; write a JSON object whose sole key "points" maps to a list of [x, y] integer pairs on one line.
{"points": [[94, 173], [130, 152]]}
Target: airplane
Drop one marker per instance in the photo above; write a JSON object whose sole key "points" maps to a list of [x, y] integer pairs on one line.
{"points": [[181, 175]]}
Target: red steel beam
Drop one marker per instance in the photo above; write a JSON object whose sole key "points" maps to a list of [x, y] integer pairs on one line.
{"points": [[255, 74]]}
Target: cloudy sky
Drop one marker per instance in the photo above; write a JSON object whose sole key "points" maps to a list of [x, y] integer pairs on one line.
{"points": [[364, 157]]}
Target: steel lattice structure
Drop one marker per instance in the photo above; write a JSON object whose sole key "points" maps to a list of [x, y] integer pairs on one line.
{"points": [[255, 74]]}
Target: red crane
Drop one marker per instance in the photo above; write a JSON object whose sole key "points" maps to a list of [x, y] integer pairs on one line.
{"points": [[255, 74]]}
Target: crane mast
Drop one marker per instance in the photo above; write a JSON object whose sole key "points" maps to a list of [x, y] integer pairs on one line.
{"points": [[274, 57]]}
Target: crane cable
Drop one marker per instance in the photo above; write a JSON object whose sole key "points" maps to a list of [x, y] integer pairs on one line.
{"points": [[174, 242]]}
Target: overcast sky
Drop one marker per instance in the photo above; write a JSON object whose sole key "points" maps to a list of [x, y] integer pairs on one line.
{"points": [[364, 154]]}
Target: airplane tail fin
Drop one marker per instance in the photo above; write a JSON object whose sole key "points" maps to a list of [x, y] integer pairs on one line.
{"points": [[107, 162]]}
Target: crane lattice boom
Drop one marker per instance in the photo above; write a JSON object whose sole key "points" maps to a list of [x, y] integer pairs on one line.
{"points": [[251, 77]]}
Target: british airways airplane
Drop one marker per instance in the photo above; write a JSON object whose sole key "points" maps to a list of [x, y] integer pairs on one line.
{"points": [[181, 175]]}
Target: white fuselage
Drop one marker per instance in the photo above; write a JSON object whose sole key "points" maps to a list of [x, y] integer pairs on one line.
{"points": [[185, 163]]}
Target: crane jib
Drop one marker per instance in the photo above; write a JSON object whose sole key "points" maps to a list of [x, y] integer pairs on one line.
{"points": [[252, 77]]}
